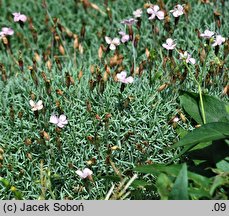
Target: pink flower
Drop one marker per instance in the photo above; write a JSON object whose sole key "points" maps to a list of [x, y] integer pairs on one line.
{"points": [[122, 78], [36, 106], [112, 42], [86, 173], [218, 40], [19, 17], [207, 34], [155, 12], [6, 31], [125, 37], [170, 45], [187, 57], [177, 11], [130, 21], [60, 122], [137, 13]]}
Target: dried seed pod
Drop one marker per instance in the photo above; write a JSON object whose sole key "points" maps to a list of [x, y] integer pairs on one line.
{"points": [[182, 116], [33, 75], [92, 69], [88, 104], [217, 18], [48, 87], [203, 55], [59, 92], [20, 115], [226, 90], [2, 69], [57, 60], [68, 80], [117, 59], [81, 48], [37, 57], [101, 86], [49, 65], [162, 87], [45, 135], [11, 112], [28, 155], [97, 117], [91, 162], [105, 76], [100, 52], [113, 148], [80, 75], [76, 41], [20, 62], [92, 84], [91, 139], [1, 151], [141, 67], [109, 13], [61, 50], [44, 76], [28, 141]]}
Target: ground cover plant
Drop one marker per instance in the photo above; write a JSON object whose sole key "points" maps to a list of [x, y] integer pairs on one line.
{"points": [[114, 99]]}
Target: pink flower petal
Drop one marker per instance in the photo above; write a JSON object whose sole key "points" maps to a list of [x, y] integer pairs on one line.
{"points": [[39, 103], [192, 60], [116, 41], [32, 103], [150, 11], [108, 40], [121, 76], [60, 125], [112, 47], [87, 172], [169, 41], [152, 17], [160, 15], [125, 38], [80, 173], [62, 118], [122, 33], [156, 8], [129, 79], [39, 107], [54, 119], [23, 18]]}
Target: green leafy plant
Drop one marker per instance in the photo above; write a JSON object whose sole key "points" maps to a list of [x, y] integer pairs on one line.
{"points": [[205, 175]]}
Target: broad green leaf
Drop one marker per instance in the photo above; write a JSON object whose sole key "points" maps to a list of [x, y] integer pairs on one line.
{"points": [[200, 180], [208, 132], [223, 165], [215, 109], [190, 102], [181, 132], [156, 169], [139, 183], [163, 185], [173, 170], [197, 193], [219, 181], [180, 187]]}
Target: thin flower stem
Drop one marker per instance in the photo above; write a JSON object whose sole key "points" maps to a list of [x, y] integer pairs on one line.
{"points": [[202, 104], [200, 93], [134, 55]]}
